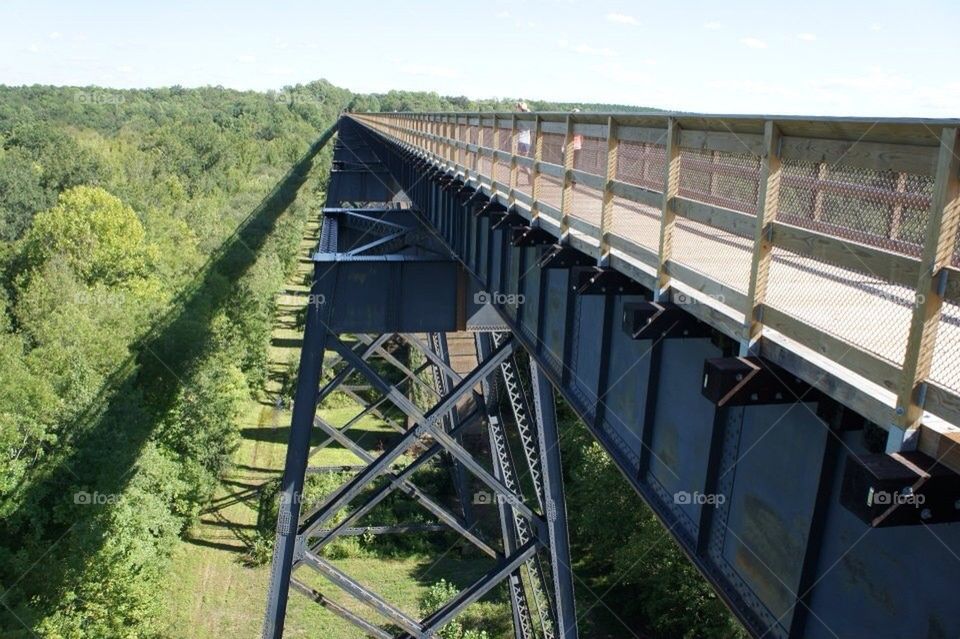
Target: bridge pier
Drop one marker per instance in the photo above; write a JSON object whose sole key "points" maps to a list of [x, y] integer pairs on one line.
{"points": [[381, 275]]}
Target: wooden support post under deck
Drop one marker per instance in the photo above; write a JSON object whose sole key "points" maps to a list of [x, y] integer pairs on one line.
{"points": [[941, 237], [767, 202], [671, 184]]}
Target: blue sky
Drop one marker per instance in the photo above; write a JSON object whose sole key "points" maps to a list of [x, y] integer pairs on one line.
{"points": [[812, 57]]}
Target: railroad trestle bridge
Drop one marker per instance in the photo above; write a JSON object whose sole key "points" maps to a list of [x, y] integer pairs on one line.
{"points": [[758, 318]]}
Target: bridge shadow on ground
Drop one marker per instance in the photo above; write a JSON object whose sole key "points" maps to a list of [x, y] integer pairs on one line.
{"points": [[55, 541]]}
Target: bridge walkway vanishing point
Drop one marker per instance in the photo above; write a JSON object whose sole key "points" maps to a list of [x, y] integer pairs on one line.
{"points": [[839, 234], [707, 339]]}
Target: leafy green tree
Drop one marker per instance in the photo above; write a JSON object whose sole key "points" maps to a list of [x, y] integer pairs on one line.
{"points": [[21, 192], [98, 235]]}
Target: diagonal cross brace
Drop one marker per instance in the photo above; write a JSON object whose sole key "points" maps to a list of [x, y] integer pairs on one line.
{"points": [[482, 586], [429, 426], [363, 595], [340, 611], [381, 493], [408, 487], [352, 488]]}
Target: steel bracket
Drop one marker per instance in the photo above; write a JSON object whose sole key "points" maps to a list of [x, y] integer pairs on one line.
{"points": [[747, 381], [900, 489], [563, 256], [596, 280], [661, 320], [525, 236]]}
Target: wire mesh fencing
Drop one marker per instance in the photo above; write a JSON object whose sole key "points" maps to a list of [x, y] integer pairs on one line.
{"points": [[829, 297]]}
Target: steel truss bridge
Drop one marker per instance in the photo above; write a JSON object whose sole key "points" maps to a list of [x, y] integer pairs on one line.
{"points": [[756, 317]]}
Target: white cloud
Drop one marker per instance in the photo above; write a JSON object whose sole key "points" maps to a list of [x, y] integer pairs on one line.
{"points": [[807, 37], [876, 27], [502, 14], [125, 68], [429, 70], [753, 43], [34, 48], [54, 35], [246, 58], [713, 26], [621, 18]]}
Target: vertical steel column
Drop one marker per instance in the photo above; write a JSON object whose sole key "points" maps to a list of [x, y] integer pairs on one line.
{"points": [[556, 509], [298, 450]]}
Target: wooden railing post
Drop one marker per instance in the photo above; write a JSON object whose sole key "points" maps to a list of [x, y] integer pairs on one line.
{"points": [[476, 156], [535, 170], [513, 156], [671, 184], [768, 199], [444, 140], [566, 195], [457, 156], [941, 237], [606, 211], [493, 158]]}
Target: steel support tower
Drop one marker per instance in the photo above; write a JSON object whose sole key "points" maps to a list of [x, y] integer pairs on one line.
{"points": [[384, 285]]}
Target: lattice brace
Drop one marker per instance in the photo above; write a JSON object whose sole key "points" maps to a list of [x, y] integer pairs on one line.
{"points": [[887, 209], [520, 407]]}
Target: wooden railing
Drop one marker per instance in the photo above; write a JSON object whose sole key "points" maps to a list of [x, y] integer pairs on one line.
{"points": [[839, 234]]}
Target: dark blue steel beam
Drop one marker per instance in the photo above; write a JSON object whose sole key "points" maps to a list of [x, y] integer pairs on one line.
{"points": [[508, 519], [556, 507], [298, 450]]}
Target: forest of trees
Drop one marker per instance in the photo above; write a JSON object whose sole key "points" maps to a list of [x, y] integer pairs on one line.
{"points": [[144, 235]]}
